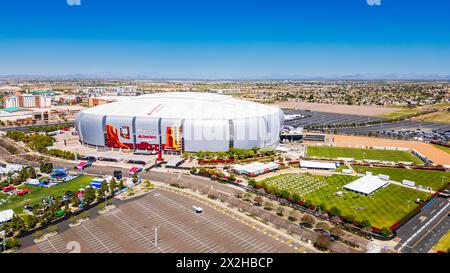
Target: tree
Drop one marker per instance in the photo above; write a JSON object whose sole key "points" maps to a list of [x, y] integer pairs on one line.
{"points": [[84, 215], [112, 186], [101, 206], [252, 182], [336, 231], [258, 200], [365, 223], [38, 234], [135, 178], [280, 211], [31, 221], [268, 205], [334, 211], [323, 225], [32, 172], [52, 228], [322, 242], [88, 196], [73, 219], [13, 243], [292, 215], [322, 207], [101, 193], [349, 218], [296, 197], [247, 196], [120, 184], [308, 219], [386, 231], [46, 167]]}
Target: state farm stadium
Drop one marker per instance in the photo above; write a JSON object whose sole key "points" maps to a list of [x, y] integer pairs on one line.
{"points": [[180, 121]]}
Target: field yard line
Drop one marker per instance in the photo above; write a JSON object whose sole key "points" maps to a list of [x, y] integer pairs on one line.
{"points": [[423, 227]]}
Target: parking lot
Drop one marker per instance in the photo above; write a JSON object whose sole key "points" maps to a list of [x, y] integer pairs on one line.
{"points": [[322, 118], [130, 228]]}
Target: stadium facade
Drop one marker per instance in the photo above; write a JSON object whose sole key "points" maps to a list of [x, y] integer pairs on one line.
{"points": [[181, 121]]}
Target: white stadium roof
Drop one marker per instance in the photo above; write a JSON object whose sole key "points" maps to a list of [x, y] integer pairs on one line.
{"points": [[193, 105], [366, 184]]}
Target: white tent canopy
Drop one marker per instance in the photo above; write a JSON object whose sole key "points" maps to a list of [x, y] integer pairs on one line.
{"points": [[366, 185]]}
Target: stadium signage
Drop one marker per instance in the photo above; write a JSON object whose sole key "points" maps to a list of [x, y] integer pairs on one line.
{"points": [[146, 136]]}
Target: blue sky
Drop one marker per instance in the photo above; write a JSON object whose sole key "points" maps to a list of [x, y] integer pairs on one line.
{"points": [[224, 39]]}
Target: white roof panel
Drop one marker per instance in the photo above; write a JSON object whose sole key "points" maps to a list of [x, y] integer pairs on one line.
{"points": [[316, 164], [366, 184], [193, 105]]}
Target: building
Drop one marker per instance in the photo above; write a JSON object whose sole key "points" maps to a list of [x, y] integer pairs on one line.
{"points": [[27, 101], [6, 216], [367, 184], [317, 165], [255, 168], [314, 137], [95, 101], [181, 121]]}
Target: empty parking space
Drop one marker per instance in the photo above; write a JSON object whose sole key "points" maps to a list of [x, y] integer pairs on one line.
{"points": [[130, 227]]}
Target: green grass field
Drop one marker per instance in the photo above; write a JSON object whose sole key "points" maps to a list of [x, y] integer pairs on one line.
{"points": [[37, 193], [433, 179], [443, 117], [360, 154], [401, 113], [383, 208], [443, 148], [443, 244]]}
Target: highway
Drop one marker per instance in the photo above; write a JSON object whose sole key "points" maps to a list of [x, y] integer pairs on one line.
{"points": [[424, 230]]}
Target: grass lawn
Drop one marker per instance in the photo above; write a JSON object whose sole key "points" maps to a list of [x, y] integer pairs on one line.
{"points": [[360, 154], [440, 105], [443, 117], [383, 208], [443, 148], [401, 113], [37, 193], [425, 178], [443, 244]]}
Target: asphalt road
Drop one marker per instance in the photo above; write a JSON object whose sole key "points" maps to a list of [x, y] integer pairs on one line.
{"points": [[422, 232]]}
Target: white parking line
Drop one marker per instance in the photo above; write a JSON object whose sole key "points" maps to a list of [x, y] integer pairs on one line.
{"points": [[211, 222], [176, 227]]}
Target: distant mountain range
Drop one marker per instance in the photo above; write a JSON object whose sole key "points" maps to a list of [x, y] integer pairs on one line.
{"points": [[391, 76]]}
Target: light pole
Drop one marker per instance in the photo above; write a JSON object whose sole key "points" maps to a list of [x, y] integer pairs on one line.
{"points": [[155, 232]]}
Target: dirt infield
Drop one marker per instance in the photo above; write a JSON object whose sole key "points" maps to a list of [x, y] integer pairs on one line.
{"points": [[365, 110], [433, 153]]}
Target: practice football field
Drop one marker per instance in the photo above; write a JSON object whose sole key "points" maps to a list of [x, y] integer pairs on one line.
{"points": [[361, 154], [383, 208], [433, 179]]}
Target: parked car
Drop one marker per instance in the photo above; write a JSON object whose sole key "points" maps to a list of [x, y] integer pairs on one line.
{"points": [[23, 191], [83, 165], [134, 170], [9, 188]]}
